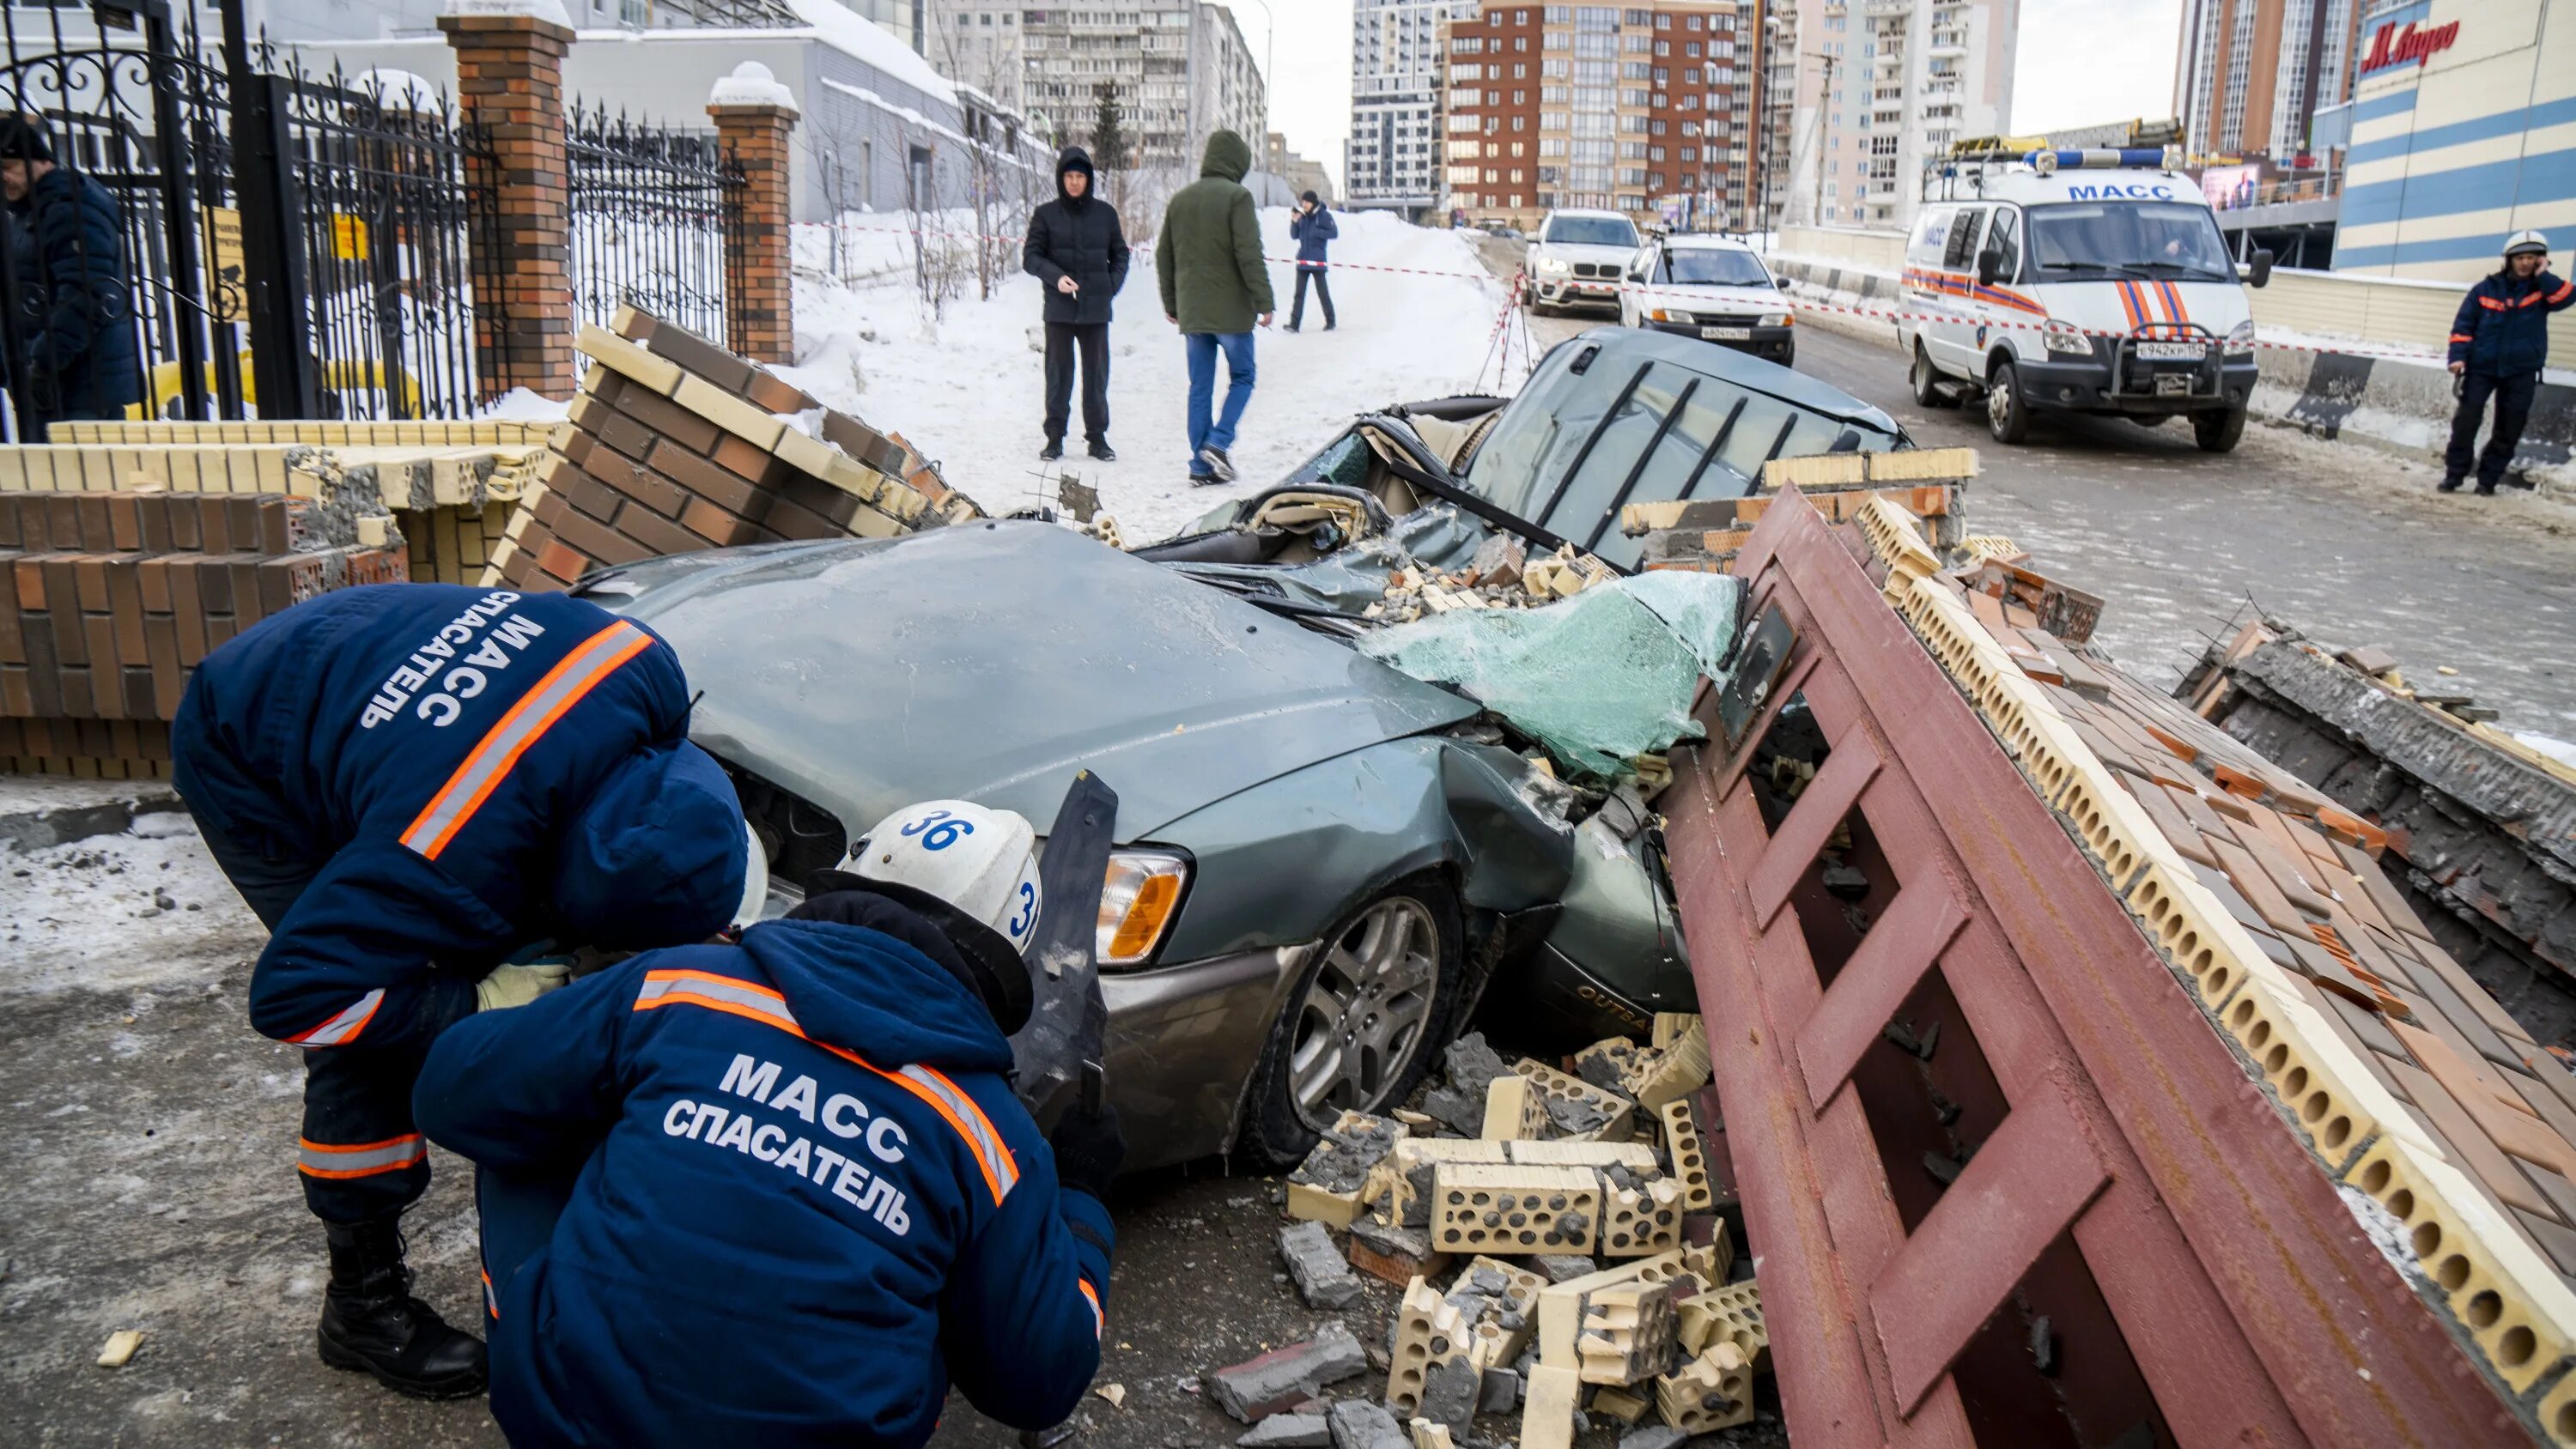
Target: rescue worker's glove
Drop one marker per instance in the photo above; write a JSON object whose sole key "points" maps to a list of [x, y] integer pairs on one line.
{"points": [[518, 985], [1088, 1150]]}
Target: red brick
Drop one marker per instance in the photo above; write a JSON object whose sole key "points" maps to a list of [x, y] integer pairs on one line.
{"points": [[721, 486], [558, 561]]}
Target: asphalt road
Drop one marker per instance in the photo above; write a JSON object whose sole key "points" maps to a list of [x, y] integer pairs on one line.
{"points": [[2347, 542]]}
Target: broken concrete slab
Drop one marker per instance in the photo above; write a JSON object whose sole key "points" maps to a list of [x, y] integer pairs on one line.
{"points": [[1360, 1424], [1501, 1392], [1288, 1431], [1285, 1377], [1393, 1254], [1324, 1278]]}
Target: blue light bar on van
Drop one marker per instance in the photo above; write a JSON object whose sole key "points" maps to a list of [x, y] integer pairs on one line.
{"points": [[2096, 159]]}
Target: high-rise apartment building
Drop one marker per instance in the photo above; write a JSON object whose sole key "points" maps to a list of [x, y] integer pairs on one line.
{"points": [[1179, 71], [2252, 73], [1775, 110], [1392, 160], [1882, 85], [1638, 108]]}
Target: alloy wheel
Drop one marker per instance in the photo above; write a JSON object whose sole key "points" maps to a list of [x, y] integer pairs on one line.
{"points": [[1366, 1011]]}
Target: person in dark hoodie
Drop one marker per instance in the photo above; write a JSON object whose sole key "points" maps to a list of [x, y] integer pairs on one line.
{"points": [[1215, 287], [413, 785], [1076, 248], [75, 316], [1314, 229], [781, 1192]]}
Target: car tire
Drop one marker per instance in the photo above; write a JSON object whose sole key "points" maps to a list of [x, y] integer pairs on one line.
{"points": [[1926, 380], [1304, 1081], [2007, 413], [2218, 432]]}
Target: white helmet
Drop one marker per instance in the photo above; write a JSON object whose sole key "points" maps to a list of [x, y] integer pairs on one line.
{"points": [[755, 880], [2526, 241], [974, 873]]}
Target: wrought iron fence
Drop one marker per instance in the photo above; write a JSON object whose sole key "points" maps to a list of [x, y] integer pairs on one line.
{"points": [[141, 113], [656, 216], [394, 224]]}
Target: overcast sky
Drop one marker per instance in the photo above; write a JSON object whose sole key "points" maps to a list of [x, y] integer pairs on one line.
{"points": [[2081, 62]]}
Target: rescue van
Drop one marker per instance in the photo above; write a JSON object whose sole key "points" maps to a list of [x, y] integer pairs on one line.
{"points": [[2090, 281]]}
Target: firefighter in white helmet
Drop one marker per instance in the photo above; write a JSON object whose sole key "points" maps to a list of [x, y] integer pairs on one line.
{"points": [[2498, 344], [786, 1182]]}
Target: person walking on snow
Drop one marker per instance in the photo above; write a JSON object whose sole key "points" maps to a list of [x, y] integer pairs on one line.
{"points": [[1076, 248], [781, 1192], [1314, 229], [412, 784], [1215, 287], [2498, 344]]}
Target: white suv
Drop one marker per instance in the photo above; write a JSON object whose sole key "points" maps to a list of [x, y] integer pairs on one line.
{"points": [[1579, 256]]}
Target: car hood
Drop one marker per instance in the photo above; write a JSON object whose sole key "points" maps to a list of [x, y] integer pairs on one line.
{"points": [[990, 662]]}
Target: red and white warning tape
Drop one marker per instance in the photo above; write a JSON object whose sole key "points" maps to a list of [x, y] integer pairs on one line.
{"points": [[2150, 331]]}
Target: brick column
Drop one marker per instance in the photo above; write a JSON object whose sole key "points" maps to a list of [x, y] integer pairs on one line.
{"points": [[509, 79], [754, 117]]}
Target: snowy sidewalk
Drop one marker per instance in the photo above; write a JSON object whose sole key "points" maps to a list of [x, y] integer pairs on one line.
{"points": [[968, 390]]}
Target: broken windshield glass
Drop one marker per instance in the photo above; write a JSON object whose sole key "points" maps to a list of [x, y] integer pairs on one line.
{"points": [[1597, 679]]}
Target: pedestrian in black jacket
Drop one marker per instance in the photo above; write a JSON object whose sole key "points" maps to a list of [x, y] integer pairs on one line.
{"points": [[2498, 344], [1076, 248], [1313, 229], [75, 322]]}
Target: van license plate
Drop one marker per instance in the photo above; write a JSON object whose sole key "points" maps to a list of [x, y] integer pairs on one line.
{"points": [[1727, 334], [2172, 351], [2173, 385]]}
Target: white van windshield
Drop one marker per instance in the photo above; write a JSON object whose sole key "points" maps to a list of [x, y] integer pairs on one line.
{"points": [[2093, 239], [1591, 231]]}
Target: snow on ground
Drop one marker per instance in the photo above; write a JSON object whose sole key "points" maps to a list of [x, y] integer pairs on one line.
{"points": [[968, 389], [116, 911], [2556, 749]]}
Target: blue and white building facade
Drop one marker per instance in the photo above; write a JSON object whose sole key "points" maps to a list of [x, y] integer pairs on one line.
{"points": [[2463, 131]]}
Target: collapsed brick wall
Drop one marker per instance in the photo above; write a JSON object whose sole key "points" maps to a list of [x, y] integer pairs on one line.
{"points": [[114, 598], [1705, 534], [676, 445]]}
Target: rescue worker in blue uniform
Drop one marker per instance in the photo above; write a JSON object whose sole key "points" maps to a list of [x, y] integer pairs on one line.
{"points": [[780, 1192], [411, 784], [2499, 343]]}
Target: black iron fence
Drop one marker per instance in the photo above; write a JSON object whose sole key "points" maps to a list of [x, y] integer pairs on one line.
{"points": [[656, 220]]}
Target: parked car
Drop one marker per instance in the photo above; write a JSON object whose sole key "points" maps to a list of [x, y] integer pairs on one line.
{"points": [[1580, 256], [1323, 864], [1713, 288]]}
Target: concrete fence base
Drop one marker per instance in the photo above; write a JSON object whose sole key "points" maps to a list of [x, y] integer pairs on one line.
{"points": [[2385, 402]]}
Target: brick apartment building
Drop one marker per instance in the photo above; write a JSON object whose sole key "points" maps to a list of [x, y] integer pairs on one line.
{"points": [[1638, 108]]}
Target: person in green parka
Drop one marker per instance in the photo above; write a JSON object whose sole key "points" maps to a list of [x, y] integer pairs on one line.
{"points": [[1215, 288]]}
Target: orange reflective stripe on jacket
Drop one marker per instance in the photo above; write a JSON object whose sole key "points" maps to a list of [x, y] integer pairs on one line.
{"points": [[491, 759]]}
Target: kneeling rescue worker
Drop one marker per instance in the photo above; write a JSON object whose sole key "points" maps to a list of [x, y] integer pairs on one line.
{"points": [[781, 1192], [411, 784]]}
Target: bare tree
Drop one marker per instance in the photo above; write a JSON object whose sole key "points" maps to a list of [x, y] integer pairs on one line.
{"points": [[836, 140]]}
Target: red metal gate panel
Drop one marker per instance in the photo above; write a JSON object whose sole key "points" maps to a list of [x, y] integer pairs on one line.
{"points": [[2181, 1265]]}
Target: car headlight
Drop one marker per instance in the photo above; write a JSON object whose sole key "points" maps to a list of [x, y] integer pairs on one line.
{"points": [[2240, 338], [2062, 338], [1667, 314], [1551, 264], [1778, 319], [1138, 899]]}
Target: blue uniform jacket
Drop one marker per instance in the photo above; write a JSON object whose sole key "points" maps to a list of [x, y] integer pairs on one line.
{"points": [[809, 1202], [2503, 326], [464, 771], [1313, 232]]}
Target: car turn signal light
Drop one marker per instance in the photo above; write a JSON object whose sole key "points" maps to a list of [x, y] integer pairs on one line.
{"points": [[1666, 314], [1138, 899]]}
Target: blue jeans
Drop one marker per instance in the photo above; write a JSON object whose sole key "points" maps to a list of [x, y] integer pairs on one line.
{"points": [[1238, 389]]}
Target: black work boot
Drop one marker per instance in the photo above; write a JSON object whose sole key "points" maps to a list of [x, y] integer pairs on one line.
{"points": [[370, 1321], [2451, 482], [1053, 450], [2486, 488]]}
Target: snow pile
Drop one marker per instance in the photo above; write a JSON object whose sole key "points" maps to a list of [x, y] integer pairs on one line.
{"points": [[2556, 749], [71, 915], [968, 389], [519, 405]]}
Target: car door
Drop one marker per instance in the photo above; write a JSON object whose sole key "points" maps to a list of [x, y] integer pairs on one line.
{"points": [[1952, 338], [1640, 275], [2008, 310]]}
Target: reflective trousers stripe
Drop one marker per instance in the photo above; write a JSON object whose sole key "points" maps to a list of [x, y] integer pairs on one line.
{"points": [[491, 1305], [1099, 1320], [344, 1027], [1001, 1172], [492, 757], [315, 1159]]}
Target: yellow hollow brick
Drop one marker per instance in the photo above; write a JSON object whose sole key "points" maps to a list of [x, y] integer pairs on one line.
{"points": [[1625, 1332], [607, 348], [1513, 1109], [1560, 1305], [751, 424], [1611, 1109], [1688, 1153], [1713, 1391], [1514, 1209], [1635, 1156], [1496, 1346], [2514, 1305], [1429, 1332], [1548, 1407]]}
